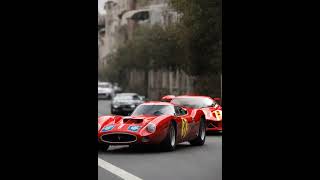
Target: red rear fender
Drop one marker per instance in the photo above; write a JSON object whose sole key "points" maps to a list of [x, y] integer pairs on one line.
{"points": [[197, 114]]}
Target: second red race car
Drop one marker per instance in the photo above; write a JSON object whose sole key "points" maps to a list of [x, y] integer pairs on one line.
{"points": [[210, 107], [153, 123]]}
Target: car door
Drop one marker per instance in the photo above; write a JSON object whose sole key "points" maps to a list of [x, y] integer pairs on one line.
{"points": [[185, 123]]}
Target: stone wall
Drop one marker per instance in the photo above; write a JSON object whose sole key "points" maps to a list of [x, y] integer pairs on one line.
{"points": [[157, 83]]}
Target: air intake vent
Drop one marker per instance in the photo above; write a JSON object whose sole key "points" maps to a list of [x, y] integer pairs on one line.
{"points": [[136, 121]]}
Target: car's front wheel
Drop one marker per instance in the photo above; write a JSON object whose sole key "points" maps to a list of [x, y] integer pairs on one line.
{"points": [[103, 146], [201, 138], [169, 143]]}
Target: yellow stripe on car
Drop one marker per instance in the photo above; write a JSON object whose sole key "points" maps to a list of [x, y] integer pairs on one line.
{"points": [[184, 127]]}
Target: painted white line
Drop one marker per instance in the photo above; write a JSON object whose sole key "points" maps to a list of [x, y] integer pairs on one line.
{"points": [[117, 171]]}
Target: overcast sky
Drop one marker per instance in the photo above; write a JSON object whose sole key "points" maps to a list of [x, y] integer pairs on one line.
{"points": [[100, 6]]}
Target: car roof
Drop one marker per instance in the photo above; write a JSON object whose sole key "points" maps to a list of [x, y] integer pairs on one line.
{"points": [[126, 94], [194, 96]]}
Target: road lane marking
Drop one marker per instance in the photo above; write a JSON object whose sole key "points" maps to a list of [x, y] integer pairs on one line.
{"points": [[117, 171]]}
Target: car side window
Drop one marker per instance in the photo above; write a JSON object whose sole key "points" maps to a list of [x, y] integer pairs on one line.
{"points": [[135, 97], [183, 112], [179, 111]]}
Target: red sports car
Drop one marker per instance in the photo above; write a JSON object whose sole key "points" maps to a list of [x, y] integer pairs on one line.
{"points": [[211, 109], [153, 123]]}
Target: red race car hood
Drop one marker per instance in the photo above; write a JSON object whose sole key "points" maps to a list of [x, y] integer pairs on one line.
{"points": [[127, 123]]}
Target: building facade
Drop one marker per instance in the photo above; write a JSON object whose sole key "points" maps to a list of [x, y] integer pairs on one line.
{"points": [[122, 17]]}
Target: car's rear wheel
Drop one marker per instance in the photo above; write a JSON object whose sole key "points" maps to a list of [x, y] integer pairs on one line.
{"points": [[169, 143], [201, 138]]}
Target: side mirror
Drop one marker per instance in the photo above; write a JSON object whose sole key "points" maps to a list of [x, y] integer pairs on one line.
{"points": [[167, 98]]}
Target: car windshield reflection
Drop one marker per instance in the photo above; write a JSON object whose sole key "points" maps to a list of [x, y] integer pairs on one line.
{"points": [[154, 110]]}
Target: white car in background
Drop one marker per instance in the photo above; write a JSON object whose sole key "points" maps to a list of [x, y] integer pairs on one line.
{"points": [[105, 90]]}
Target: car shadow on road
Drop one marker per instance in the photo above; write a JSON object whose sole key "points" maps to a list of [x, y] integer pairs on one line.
{"points": [[209, 133], [154, 149]]}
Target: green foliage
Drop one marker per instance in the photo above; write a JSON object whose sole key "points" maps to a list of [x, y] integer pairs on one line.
{"points": [[193, 45], [150, 47], [200, 34]]}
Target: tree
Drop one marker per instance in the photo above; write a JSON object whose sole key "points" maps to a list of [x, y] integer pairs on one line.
{"points": [[151, 47], [194, 44], [200, 34]]}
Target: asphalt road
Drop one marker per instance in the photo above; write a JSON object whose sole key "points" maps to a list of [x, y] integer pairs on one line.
{"points": [[104, 106], [148, 163]]}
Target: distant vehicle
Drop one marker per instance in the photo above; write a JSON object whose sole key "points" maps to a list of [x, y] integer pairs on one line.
{"points": [[210, 107], [105, 90], [160, 123], [125, 103]]}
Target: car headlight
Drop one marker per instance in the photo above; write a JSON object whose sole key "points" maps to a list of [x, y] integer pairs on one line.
{"points": [[151, 128], [132, 105], [115, 106]]}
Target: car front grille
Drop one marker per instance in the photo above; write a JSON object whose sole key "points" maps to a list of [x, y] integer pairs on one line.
{"points": [[119, 138]]}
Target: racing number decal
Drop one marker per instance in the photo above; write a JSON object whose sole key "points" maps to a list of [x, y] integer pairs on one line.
{"points": [[184, 127], [218, 114]]}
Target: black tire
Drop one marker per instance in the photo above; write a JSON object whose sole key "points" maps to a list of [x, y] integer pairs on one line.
{"points": [[134, 146], [109, 97], [103, 146], [201, 138], [169, 143], [137, 147]]}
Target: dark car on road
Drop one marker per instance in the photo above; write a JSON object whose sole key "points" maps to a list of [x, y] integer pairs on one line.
{"points": [[125, 103]]}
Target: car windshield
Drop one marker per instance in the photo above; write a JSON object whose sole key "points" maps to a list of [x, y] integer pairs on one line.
{"points": [[104, 86], [155, 110], [193, 102], [123, 97]]}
